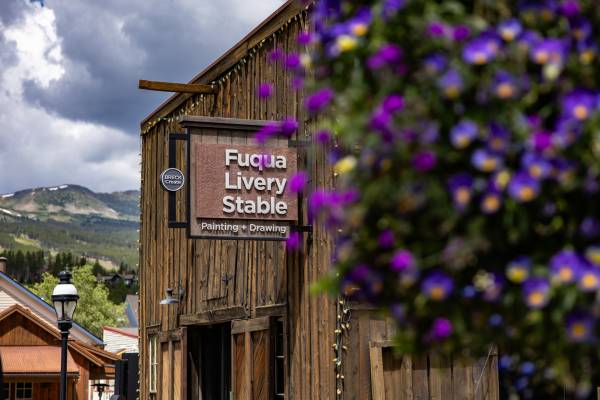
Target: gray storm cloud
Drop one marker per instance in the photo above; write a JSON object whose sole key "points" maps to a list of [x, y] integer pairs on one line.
{"points": [[69, 104]]}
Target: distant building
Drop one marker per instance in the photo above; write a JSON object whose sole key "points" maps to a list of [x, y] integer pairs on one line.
{"points": [[30, 348], [120, 340]]}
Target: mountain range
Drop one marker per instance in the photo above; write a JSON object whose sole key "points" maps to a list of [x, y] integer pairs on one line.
{"points": [[72, 218]]}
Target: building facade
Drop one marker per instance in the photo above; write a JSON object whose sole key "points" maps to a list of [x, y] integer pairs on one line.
{"points": [[244, 324]]}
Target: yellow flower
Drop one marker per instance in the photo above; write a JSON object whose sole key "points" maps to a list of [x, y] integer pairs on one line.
{"points": [[346, 43], [345, 165]]}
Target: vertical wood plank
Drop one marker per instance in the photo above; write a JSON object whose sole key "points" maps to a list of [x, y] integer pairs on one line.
{"points": [[440, 376], [377, 382]]}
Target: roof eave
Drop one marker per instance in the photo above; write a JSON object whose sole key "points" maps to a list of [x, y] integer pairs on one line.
{"points": [[266, 28]]}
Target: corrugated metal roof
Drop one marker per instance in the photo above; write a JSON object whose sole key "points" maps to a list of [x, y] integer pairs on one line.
{"points": [[34, 360]]}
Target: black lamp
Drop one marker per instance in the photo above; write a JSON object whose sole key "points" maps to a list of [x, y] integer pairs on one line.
{"points": [[64, 298], [100, 387]]}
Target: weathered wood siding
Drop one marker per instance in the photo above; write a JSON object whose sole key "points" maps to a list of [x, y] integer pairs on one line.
{"points": [[226, 279]]}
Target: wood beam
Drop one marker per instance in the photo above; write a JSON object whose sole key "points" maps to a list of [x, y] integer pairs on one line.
{"points": [[176, 87]]}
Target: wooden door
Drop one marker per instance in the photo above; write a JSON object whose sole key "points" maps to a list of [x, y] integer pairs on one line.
{"points": [[251, 359]]}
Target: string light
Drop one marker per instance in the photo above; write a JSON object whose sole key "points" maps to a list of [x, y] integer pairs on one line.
{"points": [[342, 327], [302, 18]]}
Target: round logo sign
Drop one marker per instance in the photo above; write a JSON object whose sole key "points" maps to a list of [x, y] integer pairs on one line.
{"points": [[172, 179]]}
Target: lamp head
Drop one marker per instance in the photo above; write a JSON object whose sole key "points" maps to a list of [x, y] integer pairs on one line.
{"points": [[171, 298], [64, 297]]}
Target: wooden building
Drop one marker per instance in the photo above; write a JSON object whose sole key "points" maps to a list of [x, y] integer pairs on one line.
{"points": [[30, 348], [247, 324], [30, 352]]}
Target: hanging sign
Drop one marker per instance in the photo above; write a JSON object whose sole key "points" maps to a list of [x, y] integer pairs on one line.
{"points": [[172, 179], [237, 189]]}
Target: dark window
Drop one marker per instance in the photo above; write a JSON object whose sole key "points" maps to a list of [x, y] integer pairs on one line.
{"points": [[279, 359], [209, 361], [24, 391], [6, 391]]}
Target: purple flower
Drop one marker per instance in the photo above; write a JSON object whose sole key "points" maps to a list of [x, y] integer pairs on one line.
{"points": [[393, 103], [424, 161], [536, 292], [451, 84], [265, 90], [387, 55], [565, 266], [292, 61], [537, 166], [523, 188], [462, 134], [386, 239], [359, 24], [529, 40], [304, 38], [359, 273], [298, 181], [580, 327], [498, 138], [437, 286], [590, 227], [398, 311], [564, 170], [548, 51], [486, 161], [288, 126], [461, 187], [317, 201], [275, 55], [323, 137], [517, 270], [589, 279], [460, 33], [541, 141], [435, 63], [570, 8], [319, 100], [402, 260], [437, 29], [297, 82], [491, 202], [481, 50], [580, 27], [579, 104], [266, 132], [567, 130], [441, 329], [391, 7], [505, 85], [509, 30], [293, 241]]}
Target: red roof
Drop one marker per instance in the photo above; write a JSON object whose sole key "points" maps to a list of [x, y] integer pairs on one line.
{"points": [[34, 360], [131, 332]]}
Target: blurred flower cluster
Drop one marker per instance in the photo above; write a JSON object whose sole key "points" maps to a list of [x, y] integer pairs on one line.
{"points": [[465, 140]]}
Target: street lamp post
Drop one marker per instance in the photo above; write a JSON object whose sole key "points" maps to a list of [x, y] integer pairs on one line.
{"points": [[64, 298]]}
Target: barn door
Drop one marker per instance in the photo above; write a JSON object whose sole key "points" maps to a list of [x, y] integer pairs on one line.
{"points": [[251, 367]]}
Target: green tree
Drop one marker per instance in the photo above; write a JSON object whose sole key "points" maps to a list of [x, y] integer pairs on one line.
{"points": [[94, 309]]}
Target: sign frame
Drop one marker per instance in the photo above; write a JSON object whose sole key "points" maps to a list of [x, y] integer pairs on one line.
{"points": [[192, 126]]}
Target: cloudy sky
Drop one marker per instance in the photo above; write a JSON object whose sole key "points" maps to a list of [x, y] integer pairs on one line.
{"points": [[69, 104]]}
